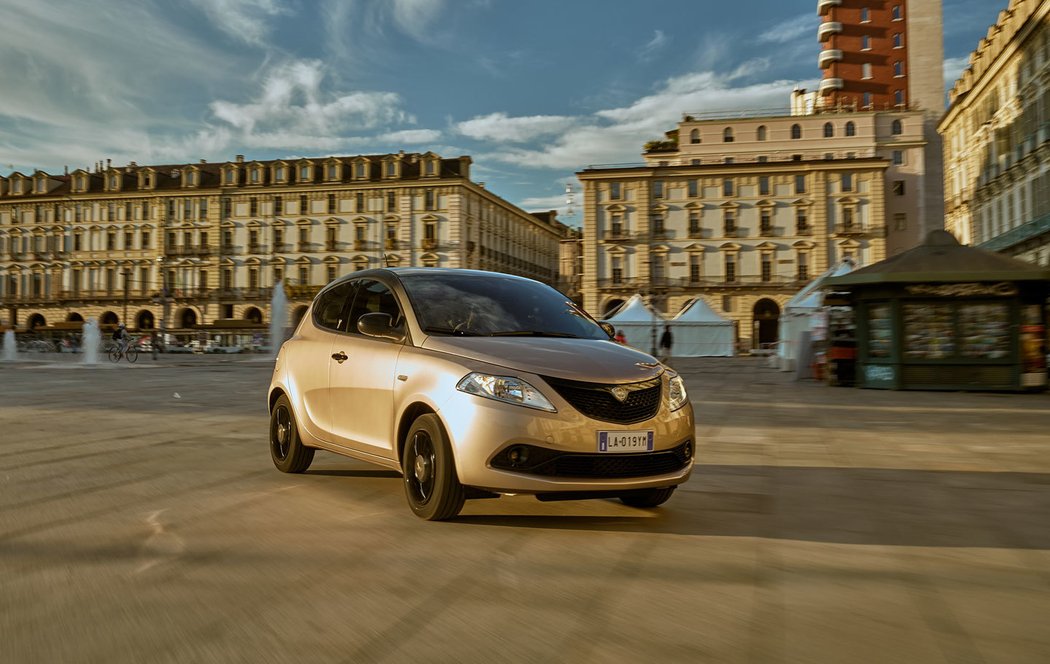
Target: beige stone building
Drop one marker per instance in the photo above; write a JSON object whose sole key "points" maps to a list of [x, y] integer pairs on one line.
{"points": [[997, 138], [204, 244], [744, 211]]}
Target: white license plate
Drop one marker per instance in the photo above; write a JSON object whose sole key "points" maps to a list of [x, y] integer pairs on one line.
{"points": [[625, 441]]}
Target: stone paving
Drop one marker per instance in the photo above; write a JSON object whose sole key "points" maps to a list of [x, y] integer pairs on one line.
{"points": [[142, 521]]}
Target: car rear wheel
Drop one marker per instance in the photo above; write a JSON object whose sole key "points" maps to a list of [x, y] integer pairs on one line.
{"points": [[431, 484], [647, 497], [287, 451]]}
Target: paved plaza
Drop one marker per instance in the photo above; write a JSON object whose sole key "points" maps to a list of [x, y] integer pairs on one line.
{"points": [[141, 520]]}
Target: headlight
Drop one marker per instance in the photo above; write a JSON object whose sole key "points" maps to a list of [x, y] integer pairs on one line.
{"points": [[507, 389], [676, 396]]}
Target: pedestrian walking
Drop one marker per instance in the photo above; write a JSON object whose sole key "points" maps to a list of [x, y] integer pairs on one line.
{"points": [[666, 341], [620, 338]]}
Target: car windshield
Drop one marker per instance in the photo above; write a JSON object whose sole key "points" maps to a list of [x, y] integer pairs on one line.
{"points": [[495, 305]]}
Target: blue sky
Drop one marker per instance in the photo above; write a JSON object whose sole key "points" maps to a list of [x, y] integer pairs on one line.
{"points": [[533, 90]]}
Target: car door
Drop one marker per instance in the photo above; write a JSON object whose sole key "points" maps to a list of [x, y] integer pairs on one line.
{"points": [[312, 356], [362, 384]]}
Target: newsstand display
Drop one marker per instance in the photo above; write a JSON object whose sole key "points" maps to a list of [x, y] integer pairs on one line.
{"points": [[943, 316]]}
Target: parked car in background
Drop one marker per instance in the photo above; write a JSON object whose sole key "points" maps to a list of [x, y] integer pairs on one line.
{"points": [[474, 384]]}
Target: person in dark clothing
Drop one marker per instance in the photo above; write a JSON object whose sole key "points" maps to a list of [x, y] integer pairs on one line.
{"points": [[666, 341]]}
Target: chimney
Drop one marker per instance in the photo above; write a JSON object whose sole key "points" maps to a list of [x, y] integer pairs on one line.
{"points": [[240, 159], [204, 161], [109, 163], [67, 169]]}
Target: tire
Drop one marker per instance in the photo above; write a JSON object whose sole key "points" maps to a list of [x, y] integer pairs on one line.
{"points": [[132, 354], [114, 355], [431, 484], [647, 497], [286, 449]]}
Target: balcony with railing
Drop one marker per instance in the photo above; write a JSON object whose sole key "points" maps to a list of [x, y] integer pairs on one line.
{"points": [[281, 247], [859, 230], [331, 245], [617, 235], [828, 28], [429, 244], [827, 56], [824, 6], [830, 84], [256, 248], [1025, 231], [768, 230], [391, 244], [305, 247]]}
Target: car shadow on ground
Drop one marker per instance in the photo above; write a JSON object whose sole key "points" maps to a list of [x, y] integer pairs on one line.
{"points": [[373, 473], [834, 505]]}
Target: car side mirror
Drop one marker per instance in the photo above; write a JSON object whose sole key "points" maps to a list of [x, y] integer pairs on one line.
{"points": [[609, 329], [381, 326]]}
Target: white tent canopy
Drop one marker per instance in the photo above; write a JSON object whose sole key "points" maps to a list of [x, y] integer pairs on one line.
{"points": [[639, 323], [804, 313], [700, 332]]}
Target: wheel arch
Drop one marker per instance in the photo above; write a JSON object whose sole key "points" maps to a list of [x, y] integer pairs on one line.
{"points": [[408, 416], [275, 394]]}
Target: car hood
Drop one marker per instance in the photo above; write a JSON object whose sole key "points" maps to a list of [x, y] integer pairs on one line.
{"points": [[589, 360]]}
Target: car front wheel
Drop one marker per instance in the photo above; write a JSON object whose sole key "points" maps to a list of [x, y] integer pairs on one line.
{"points": [[286, 449], [647, 497], [431, 484]]}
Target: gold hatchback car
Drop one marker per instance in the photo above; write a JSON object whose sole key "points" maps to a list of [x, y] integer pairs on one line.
{"points": [[474, 384]]}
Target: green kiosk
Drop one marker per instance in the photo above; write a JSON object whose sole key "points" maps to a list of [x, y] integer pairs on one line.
{"points": [[943, 316]]}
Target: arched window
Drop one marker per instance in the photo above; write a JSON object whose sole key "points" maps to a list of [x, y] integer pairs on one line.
{"points": [[829, 130], [694, 136], [760, 133], [796, 131], [897, 128], [851, 129], [727, 135]]}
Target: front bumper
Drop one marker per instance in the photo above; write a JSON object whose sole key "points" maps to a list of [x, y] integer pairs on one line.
{"points": [[482, 430]]}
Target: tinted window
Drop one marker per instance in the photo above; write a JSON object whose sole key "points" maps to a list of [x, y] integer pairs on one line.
{"points": [[330, 308], [372, 297], [483, 305]]}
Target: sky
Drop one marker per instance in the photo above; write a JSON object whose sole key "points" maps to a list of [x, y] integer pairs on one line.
{"points": [[532, 90]]}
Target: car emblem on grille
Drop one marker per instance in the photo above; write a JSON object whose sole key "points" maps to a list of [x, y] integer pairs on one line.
{"points": [[620, 394]]}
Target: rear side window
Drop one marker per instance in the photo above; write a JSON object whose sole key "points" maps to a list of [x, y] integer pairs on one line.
{"points": [[372, 297], [331, 306]]}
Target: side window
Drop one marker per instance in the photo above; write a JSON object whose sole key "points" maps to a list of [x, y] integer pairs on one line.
{"points": [[330, 308], [372, 297]]}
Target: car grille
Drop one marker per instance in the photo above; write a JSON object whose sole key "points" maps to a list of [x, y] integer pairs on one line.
{"points": [[552, 463], [595, 400]]}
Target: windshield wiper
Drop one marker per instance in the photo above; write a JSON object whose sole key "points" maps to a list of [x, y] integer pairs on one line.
{"points": [[450, 330], [532, 333]]}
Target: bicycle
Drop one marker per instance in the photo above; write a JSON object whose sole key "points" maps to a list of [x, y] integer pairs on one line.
{"points": [[129, 352]]}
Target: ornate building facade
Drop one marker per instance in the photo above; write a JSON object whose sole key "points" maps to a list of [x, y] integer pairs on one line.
{"points": [[997, 138], [187, 246], [744, 211]]}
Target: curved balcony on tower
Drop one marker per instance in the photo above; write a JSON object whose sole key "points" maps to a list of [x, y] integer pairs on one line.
{"points": [[829, 55], [830, 85], [828, 28], [824, 6]]}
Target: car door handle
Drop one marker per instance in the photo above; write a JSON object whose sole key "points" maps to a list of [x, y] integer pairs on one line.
{"points": [[340, 357]]}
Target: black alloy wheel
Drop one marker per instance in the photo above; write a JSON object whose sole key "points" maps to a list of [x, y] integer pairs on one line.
{"points": [[431, 484], [287, 451]]}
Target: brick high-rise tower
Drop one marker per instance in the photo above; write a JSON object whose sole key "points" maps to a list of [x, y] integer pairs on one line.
{"points": [[881, 54], [888, 54]]}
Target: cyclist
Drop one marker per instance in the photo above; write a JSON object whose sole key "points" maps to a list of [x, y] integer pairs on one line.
{"points": [[122, 338]]}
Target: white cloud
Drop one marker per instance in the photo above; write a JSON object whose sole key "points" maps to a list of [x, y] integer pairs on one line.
{"points": [[246, 20], [953, 69], [654, 45], [413, 17], [500, 128], [791, 31], [411, 136], [292, 99], [617, 135]]}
